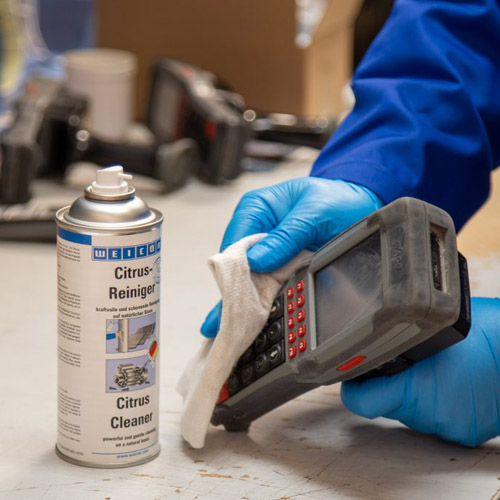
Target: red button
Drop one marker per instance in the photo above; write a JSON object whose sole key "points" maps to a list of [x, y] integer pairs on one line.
{"points": [[292, 352], [290, 308], [291, 322], [301, 316], [291, 337], [302, 330], [210, 130], [290, 293], [351, 363], [302, 345], [224, 394], [301, 300], [300, 286]]}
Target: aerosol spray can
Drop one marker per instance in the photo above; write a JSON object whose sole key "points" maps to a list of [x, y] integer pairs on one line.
{"points": [[108, 262]]}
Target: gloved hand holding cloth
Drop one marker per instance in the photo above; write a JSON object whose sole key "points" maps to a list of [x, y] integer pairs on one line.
{"points": [[300, 214]]}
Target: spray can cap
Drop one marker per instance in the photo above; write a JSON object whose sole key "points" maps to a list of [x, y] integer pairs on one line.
{"points": [[111, 181]]}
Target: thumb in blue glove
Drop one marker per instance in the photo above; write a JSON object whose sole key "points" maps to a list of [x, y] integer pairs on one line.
{"points": [[302, 213], [454, 394]]}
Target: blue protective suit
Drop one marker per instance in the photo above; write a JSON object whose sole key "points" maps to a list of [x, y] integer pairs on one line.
{"points": [[427, 117]]}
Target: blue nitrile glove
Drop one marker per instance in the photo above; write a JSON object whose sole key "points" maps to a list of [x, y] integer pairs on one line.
{"points": [[298, 214], [454, 394]]}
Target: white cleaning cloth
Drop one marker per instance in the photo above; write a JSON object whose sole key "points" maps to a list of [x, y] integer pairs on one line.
{"points": [[247, 298]]}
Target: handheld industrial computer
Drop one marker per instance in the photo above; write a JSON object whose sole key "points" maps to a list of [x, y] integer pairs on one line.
{"points": [[387, 292]]}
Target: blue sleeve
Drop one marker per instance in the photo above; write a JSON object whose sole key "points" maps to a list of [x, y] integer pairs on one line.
{"points": [[427, 117]]}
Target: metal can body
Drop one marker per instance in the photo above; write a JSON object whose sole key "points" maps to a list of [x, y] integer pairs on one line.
{"points": [[108, 331]]}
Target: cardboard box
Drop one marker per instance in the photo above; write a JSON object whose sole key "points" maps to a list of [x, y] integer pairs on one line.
{"points": [[249, 44]]}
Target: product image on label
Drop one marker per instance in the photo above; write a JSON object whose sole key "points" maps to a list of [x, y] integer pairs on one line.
{"points": [[130, 374], [152, 351], [129, 335]]}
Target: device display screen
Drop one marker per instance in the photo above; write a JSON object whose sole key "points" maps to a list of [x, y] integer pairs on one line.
{"points": [[348, 289], [166, 108]]}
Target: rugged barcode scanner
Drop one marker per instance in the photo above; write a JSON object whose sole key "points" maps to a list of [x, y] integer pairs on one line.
{"points": [[387, 292]]}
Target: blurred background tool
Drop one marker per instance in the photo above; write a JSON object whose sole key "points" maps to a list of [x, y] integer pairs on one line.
{"points": [[186, 101], [65, 98], [196, 127]]}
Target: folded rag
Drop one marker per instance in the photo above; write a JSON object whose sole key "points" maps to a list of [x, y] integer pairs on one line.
{"points": [[247, 298]]}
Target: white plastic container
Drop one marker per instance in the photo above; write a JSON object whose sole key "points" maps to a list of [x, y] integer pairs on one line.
{"points": [[107, 78]]}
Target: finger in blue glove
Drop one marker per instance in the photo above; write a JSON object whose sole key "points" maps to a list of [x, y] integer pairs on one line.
{"points": [[211, 325]]}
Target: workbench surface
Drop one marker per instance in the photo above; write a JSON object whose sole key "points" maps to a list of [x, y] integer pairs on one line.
{"points": [[311, 448]]}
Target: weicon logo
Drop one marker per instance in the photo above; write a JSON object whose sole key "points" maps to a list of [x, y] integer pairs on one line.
{"points": [[126, 253], [99, 253]]}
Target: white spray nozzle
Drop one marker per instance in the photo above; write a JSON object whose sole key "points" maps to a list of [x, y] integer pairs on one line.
{"points": [[111, 180]]}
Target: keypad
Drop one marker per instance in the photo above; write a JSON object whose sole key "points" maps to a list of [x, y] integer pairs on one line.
{"points": [[275, 331], [272, 345], [276, 356], [261, 364], [266, 353], [295, 319], [261, 342], [276, 309], [247, 373]]}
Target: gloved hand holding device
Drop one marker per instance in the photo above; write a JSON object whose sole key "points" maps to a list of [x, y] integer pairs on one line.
{"points": [[298, 214], [454, 394]]}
